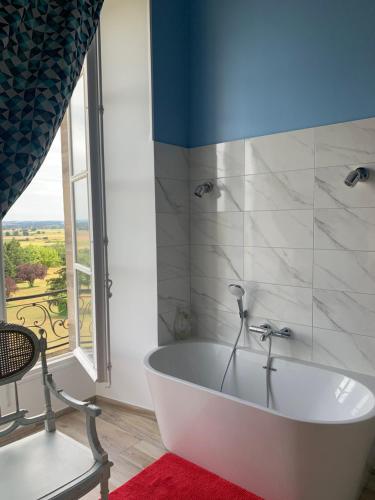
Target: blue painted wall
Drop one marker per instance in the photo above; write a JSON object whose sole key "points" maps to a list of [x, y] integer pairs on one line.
{"points": [[243, 68], [170, 73]]}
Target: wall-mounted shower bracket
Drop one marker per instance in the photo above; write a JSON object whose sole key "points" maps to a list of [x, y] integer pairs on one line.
{"points": [[266, 331]]}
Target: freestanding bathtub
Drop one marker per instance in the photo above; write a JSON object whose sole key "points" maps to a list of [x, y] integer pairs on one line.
{"points": [[312, 445]]}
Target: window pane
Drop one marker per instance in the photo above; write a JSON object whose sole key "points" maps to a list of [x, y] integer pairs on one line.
{"points": [[85, 326], [81, 213], [78, 127]]}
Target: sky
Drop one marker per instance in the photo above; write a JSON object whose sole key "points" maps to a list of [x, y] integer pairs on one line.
{"points": [[43, 198]]}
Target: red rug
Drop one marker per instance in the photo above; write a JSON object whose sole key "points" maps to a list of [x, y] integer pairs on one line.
{"points": [[173, 478]]}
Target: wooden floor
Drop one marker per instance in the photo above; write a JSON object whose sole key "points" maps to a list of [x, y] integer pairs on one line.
{"points": [[132, 440]]}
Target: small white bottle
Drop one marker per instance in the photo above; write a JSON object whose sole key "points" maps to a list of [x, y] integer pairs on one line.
{"points": [[182, 323]]}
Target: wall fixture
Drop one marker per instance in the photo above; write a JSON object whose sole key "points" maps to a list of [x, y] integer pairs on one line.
{"points": [[204, 188], [360, 174]]}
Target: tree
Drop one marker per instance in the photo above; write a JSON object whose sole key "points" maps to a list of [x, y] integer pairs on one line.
{"points": [[9, 266], [31, 272], [50, 257], [61, 250], [13, 254], [34, 254], [31, 255], [10, 286], [59, 283]]}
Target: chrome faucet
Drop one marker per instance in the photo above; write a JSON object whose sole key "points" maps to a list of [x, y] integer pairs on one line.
{"points": [[266, 330]]}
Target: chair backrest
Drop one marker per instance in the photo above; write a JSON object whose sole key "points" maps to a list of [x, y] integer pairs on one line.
{"points": [[19, 351]]}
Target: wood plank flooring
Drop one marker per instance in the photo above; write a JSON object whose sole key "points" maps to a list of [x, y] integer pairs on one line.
{"points": [[132, 439]]}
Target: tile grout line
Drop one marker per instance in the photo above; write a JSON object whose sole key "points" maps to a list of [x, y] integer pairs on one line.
{"points": [[243, 215], [313, 261], [188, 163]]}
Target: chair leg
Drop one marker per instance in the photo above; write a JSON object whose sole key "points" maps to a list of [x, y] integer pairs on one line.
{"points": [[104, 491]]}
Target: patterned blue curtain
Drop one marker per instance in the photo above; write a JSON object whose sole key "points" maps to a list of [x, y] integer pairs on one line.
{"points": [[42, 48]]}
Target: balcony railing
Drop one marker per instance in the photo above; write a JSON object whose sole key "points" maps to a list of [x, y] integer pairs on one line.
{"points": [[43, 310]]}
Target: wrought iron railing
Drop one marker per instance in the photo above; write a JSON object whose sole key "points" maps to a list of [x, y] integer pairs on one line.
{"points": [[43, 310]]}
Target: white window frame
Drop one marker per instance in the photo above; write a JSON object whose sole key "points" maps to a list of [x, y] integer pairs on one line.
{"points": [[100, 370]]}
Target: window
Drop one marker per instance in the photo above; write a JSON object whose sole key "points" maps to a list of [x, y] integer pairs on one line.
{"points": [[89, 256], [56, 273]]}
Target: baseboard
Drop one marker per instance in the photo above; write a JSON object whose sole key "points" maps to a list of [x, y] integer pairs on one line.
{"points": [[125, 406]]}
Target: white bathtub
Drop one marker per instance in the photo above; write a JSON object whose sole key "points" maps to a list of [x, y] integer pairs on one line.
{"points": [[312, 445]]}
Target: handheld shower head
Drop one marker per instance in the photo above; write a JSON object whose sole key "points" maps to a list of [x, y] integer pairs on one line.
{"points": [[238, 292]]}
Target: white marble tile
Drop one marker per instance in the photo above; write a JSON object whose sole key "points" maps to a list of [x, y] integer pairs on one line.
{"points": [[227, 196], [345, 143], [331, 191], [298, 346], [280, 152], [211, 293], [215, 261], [344, 311], [281, 191], [345, 229], [278, 302], [280, 266], [172, 229], [216, 325], [345, 271], [165, 327], [171, 196], [225, 228], [344, 350], [173, 262], [285, 228], [171, 162], [217, 160], [172, 294]]}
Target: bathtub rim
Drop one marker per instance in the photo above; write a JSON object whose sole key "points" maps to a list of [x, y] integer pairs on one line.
{"points": [[367, 417]]}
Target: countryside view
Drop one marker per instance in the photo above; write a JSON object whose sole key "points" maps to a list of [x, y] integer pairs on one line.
{"points": [[34, 253]]}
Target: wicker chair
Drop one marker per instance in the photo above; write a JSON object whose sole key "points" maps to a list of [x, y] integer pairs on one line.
{"points": [[48, 464]]}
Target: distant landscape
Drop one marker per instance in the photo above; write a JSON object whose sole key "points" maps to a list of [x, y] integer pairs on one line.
{"points": [[33, 224], [34, 262], [34, 243]]}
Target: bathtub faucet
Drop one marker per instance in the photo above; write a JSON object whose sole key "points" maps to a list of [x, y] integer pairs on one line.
{"points": [[266, 330]]}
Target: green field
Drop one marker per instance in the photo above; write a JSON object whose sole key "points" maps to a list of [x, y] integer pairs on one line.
{"points": [[46, 311], [38, 310], [42, 237], [38, 237]]}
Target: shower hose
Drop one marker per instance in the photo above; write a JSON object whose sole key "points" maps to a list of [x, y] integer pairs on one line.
{"points": [[268, 367], [232, 353]]}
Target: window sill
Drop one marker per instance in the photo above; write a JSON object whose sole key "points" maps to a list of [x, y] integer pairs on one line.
{"points": [[54, 364]]}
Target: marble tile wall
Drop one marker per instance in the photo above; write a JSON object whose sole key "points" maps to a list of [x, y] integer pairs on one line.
{"points": [[172, 229], [281, 222]]}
